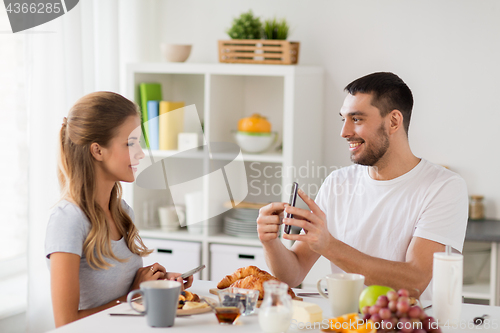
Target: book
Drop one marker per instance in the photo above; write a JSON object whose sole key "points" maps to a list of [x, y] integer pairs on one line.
{"points": [[153, 124], [171, 124], [148, 92]]}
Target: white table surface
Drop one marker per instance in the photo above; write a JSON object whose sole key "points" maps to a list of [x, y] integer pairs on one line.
{"points": [[207, 322]]}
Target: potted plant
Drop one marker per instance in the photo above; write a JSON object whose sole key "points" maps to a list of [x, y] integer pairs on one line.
{"points": [[247, 45], [274, 29], [246, 26]]}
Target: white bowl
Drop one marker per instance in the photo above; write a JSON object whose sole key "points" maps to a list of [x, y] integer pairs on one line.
{"points": [[175, 52], [254, 142]]}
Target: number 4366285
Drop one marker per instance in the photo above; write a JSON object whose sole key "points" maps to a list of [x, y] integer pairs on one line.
{"points": [[34, 8]]}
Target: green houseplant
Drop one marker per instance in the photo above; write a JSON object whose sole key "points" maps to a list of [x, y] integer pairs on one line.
{"points": [[247, 26], [253, 43], [274, 29]]}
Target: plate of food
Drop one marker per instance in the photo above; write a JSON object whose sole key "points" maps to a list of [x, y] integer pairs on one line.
{"points": [[190, 304]]}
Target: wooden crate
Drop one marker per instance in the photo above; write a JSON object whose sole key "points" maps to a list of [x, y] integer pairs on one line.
{"points": [[259, 51]]}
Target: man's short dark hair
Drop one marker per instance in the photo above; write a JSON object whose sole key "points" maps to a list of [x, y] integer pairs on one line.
{"points": [[389, 93]]}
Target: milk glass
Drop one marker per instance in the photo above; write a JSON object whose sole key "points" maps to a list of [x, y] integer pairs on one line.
{"points": [[275, 313]]}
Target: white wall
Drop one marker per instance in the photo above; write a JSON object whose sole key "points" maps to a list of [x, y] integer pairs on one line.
{"points": [[447, 51]]}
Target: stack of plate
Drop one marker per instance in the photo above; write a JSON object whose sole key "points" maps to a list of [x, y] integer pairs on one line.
{"points": [[241, 222]]}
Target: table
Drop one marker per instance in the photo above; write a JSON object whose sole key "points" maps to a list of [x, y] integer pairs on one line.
{"points": [[103, 322]]}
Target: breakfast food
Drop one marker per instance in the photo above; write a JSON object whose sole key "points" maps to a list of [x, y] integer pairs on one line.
{"points": [[255, 123], [370, 294], [187, 297], [250, 277], [349, 323], [306, 312], [394, 310], [194, 305]]}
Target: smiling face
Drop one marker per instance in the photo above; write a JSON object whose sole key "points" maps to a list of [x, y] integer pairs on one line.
{"points": [[365, 129], [121, 157]]}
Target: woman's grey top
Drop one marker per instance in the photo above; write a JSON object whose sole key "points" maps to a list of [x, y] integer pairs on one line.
{"points": [[67, 230]]}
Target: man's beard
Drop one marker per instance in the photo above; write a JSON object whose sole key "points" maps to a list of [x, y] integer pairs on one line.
{"points": [[373, 153]]}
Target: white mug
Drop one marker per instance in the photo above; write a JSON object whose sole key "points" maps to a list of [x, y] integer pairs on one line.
{"points": [[170, 218], [447, 271], [343, 292]]}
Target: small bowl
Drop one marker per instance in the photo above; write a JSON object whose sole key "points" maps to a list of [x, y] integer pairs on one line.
{"points": [[255, 142], [238, 297], [175, 52]]}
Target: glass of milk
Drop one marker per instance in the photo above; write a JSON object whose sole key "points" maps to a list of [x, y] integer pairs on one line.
{"points": [[275, 313]]}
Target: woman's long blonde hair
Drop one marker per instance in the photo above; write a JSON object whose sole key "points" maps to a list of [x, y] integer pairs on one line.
{"points": [[95, 118]]}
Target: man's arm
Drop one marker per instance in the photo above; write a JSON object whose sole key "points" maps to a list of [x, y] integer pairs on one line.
{"points": [[290, 266], [414, 274]]}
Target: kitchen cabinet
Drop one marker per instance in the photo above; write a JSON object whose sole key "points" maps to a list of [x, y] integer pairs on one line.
{"points": [[486, 231], [291, 97], [225, 259], [176, 256]]}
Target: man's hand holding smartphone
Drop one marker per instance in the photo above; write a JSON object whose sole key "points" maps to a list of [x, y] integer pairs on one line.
{"points": [[313, 221], [270, 217]]}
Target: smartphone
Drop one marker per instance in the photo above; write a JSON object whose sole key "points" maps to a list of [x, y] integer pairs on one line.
{"points": [[193, 271], [293, 200]]}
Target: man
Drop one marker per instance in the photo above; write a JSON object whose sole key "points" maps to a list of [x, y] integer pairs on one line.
{"points": [[382, 217]]}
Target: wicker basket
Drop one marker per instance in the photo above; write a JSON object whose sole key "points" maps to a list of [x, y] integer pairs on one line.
{"points": [[259, 51]]}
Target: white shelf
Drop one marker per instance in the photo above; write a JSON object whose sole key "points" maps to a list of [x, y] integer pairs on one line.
{"points": [[185, 236], [479, 290], [177, 235], [169, 153], [223, 69], [227, 239], [291, 97], [265, 157]]}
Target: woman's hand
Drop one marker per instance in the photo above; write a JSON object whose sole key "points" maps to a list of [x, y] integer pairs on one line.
{"points": [[149, 273], [177, 277]]}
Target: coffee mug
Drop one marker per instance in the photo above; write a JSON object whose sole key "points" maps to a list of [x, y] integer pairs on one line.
{"points": [[343, 292], [170, 218], [160, 299]]}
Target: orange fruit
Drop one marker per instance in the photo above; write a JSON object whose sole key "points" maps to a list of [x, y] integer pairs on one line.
{"points": [[254, 123], [343, 324]]}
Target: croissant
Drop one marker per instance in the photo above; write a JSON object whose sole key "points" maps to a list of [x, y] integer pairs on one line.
{"points": [[250, 277], [241, 273], [253, 282], [191, 297]]}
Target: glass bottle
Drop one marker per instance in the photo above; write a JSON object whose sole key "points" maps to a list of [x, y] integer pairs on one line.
{"points": [[275, 313], [476, 208]]}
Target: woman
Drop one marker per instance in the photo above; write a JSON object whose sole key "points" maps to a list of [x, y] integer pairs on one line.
{"points": [[94, 248]]}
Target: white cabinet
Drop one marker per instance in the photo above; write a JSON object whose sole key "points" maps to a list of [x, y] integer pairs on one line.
{"points": [[291, 97], [175, 256], [225, 259]]}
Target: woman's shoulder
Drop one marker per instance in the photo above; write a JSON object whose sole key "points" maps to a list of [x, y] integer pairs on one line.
{"points": [[128, 210], [66, 206], [68, 213]]}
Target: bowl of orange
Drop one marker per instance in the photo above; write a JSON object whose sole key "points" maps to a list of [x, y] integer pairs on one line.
{"points": [[254, 134]]}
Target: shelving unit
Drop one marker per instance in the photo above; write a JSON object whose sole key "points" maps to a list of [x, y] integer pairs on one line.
{"points": [[487, 231], [291, 97]]}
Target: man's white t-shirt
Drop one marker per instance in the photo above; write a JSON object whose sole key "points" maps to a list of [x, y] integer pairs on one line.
{"points": [[379, 218]]}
